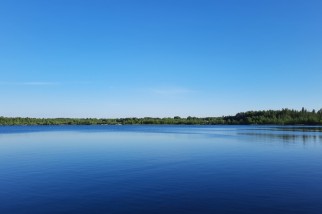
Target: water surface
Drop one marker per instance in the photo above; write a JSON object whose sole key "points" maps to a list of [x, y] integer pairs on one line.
{"points": [[160, 169]]}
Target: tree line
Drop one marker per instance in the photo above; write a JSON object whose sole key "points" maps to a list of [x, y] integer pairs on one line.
{"points": [[267, 117]]}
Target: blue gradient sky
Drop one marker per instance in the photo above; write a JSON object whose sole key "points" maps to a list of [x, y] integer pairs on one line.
{"points": [[118, 58]]}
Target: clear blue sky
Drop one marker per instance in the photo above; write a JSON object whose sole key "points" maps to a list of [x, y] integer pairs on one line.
{"points": [[118, 58]]}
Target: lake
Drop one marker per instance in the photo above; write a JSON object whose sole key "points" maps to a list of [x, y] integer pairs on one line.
{"points": [[160, 169]]}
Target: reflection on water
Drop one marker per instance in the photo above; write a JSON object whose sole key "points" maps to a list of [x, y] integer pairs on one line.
{"points": [[300, 128], [288, 137], [160, 169], [291, 134]]}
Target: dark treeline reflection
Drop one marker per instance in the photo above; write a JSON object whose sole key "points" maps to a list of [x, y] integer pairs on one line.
{"points": [[292, 134], [288, 138], [301, 128], [269, 117]]}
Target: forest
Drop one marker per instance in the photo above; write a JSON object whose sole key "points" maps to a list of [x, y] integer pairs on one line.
{"points": [[266, 117]]}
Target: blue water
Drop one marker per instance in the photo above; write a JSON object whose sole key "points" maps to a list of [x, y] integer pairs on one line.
{"points": [[160, 169]]}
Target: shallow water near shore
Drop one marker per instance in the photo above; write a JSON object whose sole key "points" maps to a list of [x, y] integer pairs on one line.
{"points": [[160, 169]]}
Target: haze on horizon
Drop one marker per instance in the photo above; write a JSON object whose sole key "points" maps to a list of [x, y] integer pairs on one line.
{"points": [[158, 58]]}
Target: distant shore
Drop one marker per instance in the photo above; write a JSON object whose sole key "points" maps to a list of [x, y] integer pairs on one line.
{"points": [[267, 117]]}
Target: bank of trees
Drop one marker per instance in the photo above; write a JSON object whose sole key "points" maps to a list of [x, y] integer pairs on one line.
{"points": [[278, 117]]}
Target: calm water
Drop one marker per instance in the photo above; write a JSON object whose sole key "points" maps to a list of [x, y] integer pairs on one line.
{"points": [[160, 169]]}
